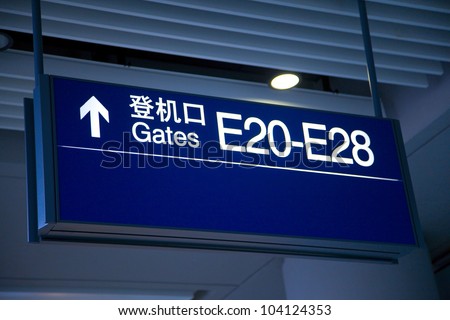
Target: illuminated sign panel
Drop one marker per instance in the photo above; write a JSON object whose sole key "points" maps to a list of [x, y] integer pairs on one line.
{"points": [[193, 170]]}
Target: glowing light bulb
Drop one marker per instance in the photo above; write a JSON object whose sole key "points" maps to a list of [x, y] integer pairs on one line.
{"points": [[285, 81]]}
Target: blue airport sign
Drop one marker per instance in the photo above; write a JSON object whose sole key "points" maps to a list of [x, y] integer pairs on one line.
{"points": [[190, 170]]}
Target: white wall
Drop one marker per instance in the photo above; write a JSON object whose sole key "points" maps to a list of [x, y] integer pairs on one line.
{"points": [[424, 115], [411, 278], [418, 108]]}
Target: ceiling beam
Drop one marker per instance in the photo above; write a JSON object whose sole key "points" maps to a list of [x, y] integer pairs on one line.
{"points": [[236, 40], [200, 11], [294, 16], [11, 112], [216, 52], [223, 22], [431, 5], [376, 11], [12, 124], [16, 85]]}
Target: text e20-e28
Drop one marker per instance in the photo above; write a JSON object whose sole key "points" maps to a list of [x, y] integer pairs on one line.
{"points": [[358, 140]]}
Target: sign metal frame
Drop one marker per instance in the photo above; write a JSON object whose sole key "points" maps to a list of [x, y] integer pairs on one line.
{"points": [[44, 222]]}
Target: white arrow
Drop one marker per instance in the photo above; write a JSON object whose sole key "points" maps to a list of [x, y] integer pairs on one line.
{"points": [[94, 107]]}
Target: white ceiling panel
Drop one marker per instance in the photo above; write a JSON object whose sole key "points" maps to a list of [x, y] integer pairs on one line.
{"points": [[321, 37], [411, 38]]}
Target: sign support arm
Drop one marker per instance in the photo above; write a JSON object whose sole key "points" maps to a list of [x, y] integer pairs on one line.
{"points": [[37, 41], [371, 73]]}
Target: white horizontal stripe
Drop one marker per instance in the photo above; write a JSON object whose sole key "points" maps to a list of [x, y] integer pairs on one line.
{"points": [[234, 163]]}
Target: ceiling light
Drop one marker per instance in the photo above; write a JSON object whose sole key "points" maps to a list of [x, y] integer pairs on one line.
{"points": [[285, 81], [5, 41]]}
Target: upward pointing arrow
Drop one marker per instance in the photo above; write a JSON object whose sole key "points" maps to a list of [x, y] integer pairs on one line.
{"points": [[95, 108]]}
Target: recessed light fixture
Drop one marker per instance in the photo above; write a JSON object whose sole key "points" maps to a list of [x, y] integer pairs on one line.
{"points": [[285, 81], [5, 41]]}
